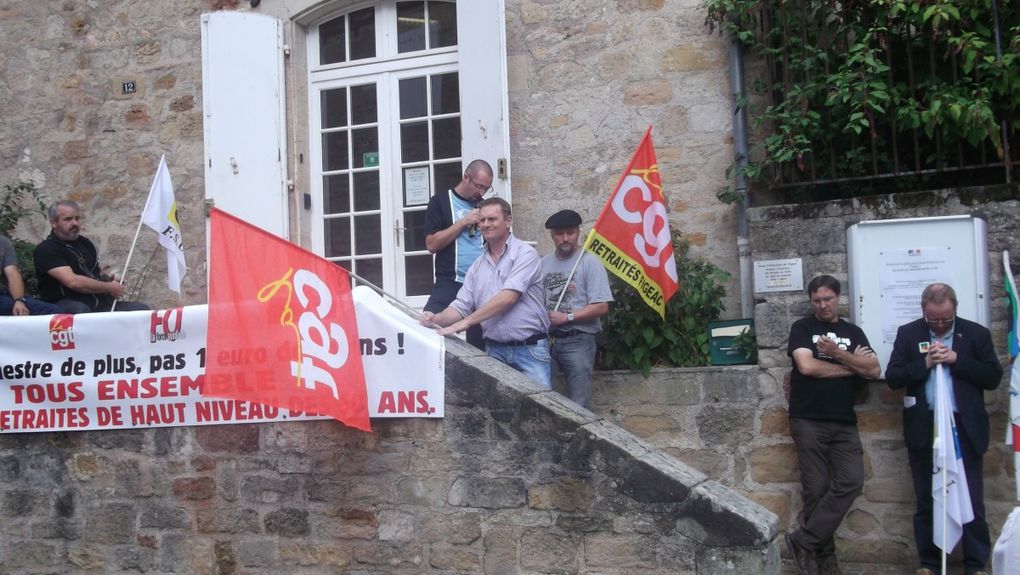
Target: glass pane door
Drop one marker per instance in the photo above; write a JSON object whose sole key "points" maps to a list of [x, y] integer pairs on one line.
{"points": [[351, 209], [384, 136], [428, 139]]}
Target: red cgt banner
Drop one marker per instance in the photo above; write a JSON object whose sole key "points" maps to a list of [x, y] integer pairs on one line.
{"points": [[282, 329]]}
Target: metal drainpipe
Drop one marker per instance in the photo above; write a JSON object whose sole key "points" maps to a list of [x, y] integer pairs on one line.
{"points": [[1006, 158], [741, 151]]}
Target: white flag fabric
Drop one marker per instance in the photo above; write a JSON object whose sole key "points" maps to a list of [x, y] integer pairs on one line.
{"points": [[1006, 554], [949, 482], [160, 214]]}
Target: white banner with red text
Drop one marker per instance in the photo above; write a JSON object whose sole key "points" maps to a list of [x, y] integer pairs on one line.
{"points": [[127, 370]]}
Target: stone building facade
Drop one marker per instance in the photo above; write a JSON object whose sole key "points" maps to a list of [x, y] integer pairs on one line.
{"points": [[583, 80], [94, 92]]}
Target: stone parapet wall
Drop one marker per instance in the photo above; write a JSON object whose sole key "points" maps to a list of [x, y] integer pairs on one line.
{"points": [[515, 479], [731, 423]]}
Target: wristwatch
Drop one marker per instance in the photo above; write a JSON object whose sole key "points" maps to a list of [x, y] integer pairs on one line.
{"points": [[21, 299], [570, 316]]}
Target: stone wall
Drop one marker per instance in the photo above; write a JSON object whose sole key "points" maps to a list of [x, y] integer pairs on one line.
{"points": [[69, 128], [586, 78], [513, 480], [732, 423]]}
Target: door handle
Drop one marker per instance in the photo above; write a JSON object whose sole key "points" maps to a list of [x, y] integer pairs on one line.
{"points": [[397, 229]]}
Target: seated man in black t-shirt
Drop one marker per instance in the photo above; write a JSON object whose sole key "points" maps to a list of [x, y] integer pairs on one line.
{"points": [[67, 265]]}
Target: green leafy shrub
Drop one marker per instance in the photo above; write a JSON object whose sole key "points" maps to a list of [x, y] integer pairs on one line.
{"points": [[747, 344], [889, 92], [19, 201], [636, 338]]}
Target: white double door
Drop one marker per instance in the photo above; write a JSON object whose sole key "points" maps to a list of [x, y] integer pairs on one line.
{"points": [[386, 141]]}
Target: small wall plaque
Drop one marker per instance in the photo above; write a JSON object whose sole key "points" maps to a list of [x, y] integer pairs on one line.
{"points": [[778, 275], [127, 88]]}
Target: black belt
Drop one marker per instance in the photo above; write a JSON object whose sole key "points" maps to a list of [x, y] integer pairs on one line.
{"points": [[530, 341], [560, 334]]}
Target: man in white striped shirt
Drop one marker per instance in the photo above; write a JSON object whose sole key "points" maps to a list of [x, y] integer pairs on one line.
{"points": [[503, 293]]}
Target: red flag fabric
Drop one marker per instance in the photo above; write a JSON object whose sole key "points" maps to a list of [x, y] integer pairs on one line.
{"points": [[282, 329], [632, 236]]}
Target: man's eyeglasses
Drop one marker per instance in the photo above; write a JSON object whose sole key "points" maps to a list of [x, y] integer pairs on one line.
{"points": [[939, 321], [823, 300], [478, 186]]}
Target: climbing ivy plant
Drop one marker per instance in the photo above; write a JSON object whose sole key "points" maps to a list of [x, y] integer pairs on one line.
{"points": [[869, 87]]}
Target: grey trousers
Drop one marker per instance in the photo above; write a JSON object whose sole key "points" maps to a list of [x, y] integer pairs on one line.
{"points": [[831, 464]]}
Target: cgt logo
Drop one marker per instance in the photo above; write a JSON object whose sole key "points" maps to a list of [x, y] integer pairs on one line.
{"points": [[654, 242], [322, 347], [166, 325], [62, 332]]}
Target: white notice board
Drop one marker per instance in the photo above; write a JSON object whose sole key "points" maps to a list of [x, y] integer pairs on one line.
{"points": [[891, 261]]}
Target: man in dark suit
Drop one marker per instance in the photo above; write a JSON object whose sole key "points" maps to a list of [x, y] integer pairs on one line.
{"points": [[965, 349]]}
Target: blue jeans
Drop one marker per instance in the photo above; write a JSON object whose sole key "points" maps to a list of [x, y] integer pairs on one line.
{"points": [[532, 360], [35, 306], [574, 356]]}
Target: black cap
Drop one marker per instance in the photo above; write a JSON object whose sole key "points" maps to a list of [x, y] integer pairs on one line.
{"points": [[563, 219]]}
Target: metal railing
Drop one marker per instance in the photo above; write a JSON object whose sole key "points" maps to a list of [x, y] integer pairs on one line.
{"points": [[886, 156]]}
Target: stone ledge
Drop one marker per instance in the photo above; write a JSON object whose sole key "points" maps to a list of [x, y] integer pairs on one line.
{"points": [[717, 516]]}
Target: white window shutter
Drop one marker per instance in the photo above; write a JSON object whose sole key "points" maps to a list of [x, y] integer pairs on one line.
{"points": [[244, 117], [481, 40]]}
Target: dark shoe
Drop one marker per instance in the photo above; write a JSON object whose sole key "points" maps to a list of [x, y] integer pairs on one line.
{"points": [[799, 555], [829, 566]]}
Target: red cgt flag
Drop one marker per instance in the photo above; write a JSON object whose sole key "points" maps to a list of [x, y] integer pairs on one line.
{"points": [[631, 235], [282, 329]]}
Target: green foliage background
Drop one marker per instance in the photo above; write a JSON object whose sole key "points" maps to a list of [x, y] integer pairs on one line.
{"points": [[636, 338], [844, 84], [19, 201]]}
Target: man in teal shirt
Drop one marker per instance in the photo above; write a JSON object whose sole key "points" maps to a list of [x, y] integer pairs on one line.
{"points": [[451, 233]]}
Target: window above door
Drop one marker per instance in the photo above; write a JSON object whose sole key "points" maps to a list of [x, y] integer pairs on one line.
{"points": [[387, 30]]}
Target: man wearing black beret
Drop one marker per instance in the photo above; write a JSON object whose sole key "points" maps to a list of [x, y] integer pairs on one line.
{"points": [[577, 294]]}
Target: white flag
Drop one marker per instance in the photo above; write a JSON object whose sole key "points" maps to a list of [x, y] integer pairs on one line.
{"points": [[160, 214], [949, 482]]}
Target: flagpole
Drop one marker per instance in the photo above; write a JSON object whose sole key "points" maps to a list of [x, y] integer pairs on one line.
{"points": [[138, 231], [400, 304], [131, 251], [563, 292], [939, 389]]}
